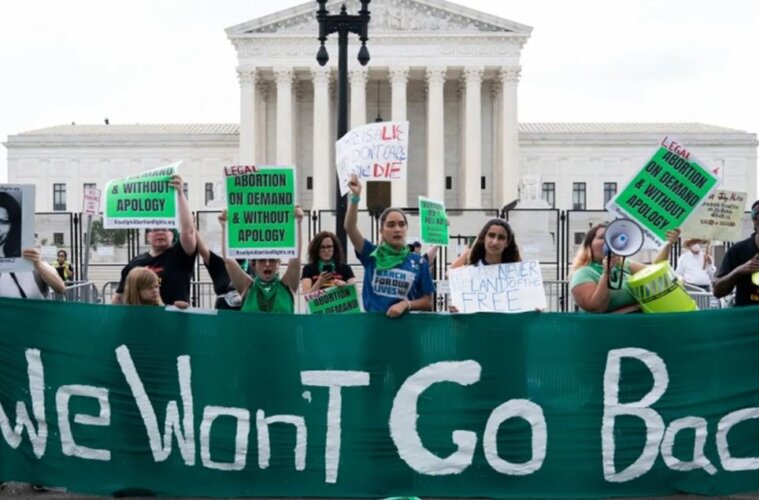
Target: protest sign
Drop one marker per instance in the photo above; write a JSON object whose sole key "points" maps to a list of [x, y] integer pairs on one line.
{"points": [[91, 201], [718, 218], [334, 300], [433, 221], [261, 212], [16, 226], [665, 191], [144, 200], [375, 151], [363, 406], [506, 288]]}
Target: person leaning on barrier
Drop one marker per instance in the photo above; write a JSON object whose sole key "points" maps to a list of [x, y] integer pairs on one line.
{"points": [[326, 264], [142, 288], [695, 266], [589, 282], [266, 292], [227, 297], [172, 262], [10, 226], [63, 266], [740, 263], [395, 280], [31, 284]]}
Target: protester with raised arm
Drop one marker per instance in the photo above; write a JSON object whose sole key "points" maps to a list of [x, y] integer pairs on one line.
{"points": [[173, 262], [396, 280], [227, 298], [266, 292], [740, 263]]}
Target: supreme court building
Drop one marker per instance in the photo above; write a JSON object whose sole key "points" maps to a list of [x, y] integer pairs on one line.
{"points": [[452, 72]]}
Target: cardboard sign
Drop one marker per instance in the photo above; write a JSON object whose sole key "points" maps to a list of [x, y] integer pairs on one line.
{"points": [[261, 212], [334, 300], [661, 196], [144, 200], [91, 204], [16, 226], [433, 221], [505, 288], [718, 218], [376, 151]]}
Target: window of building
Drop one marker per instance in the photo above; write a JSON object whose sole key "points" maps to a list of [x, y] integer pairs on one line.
{"points": [[58, 239], [578, 238], [59, 197], [309, 183], [610, 190], [549, 193], [90, 185], [579, 196], [209, 192], [448, 182], [482, 182], [186, 190]]}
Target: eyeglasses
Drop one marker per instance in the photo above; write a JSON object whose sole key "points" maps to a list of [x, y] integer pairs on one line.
{"points": [[329, 247]]}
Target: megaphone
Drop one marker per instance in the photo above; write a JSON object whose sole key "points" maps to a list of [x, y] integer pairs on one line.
{"points": [[623, 237]]}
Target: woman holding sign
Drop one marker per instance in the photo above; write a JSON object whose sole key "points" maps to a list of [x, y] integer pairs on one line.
{"points": [[495, 244], [267, 292], [396, 280], [10, 226], [589, 282], [326, 264]]}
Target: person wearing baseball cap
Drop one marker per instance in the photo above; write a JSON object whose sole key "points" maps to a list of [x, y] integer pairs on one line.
{"points": [[740, 268]]}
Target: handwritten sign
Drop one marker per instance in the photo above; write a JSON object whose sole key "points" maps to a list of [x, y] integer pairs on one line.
{"points": [[505, 288], [16, 226], [334, 300], [433, 221], [718, 218], [665, 191], [261, 211], [376, 151], [144, 200], [91, 201]]}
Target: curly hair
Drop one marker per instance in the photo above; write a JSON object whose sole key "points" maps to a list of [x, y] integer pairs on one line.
{"points": [[509, 254], [313, 248], [12, 245]]}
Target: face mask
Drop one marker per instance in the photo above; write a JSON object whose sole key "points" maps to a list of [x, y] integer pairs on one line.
{"points": [[695, 248]]}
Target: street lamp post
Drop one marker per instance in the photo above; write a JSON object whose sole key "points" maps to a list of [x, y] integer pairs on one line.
{"points": [[342, 23]]}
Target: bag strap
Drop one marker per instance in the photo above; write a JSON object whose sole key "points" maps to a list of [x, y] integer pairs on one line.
{"points": [[20, 290]]}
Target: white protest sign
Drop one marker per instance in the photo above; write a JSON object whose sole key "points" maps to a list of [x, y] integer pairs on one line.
{"points": [[376, 151], [718, 218], [505, 288], [91, 201]]}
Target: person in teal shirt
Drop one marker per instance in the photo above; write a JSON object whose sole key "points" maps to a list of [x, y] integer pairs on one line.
{"points": [[267, 292], [589, 282]]}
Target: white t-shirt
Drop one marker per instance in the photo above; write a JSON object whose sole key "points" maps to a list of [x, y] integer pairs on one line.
{"points": [[29, 281], [690, 268]]}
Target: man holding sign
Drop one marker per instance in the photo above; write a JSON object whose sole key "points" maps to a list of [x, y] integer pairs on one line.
{"points": [[740, 267], [172, 262]]}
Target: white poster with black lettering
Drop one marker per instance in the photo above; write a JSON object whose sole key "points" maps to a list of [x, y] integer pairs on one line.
{"points": [[16, 226], [503, 288]]}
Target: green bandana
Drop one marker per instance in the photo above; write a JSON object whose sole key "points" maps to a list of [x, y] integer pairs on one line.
{"points": [[387, 257], [271, 296]]}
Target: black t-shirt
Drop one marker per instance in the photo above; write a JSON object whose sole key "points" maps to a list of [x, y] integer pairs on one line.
{"points": [[222, 284], [746, 293], [341, 272], [174, 269]]}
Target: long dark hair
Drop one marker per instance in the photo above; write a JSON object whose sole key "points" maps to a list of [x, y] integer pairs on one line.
{"points": [[12, 247], [509, 254], [313, 248]]}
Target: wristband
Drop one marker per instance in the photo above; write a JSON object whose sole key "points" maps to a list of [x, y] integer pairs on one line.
{"points": [[408, 305], [355, 199]]}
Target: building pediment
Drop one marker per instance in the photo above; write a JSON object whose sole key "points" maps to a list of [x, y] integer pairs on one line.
{"points": [[387, 16]]}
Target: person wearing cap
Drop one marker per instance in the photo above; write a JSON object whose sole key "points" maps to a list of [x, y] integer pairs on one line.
{"points": [[429, 256], [173, 262], [695, 266], [740, 267]]}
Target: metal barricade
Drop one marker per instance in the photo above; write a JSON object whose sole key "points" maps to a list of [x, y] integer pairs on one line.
{"points": [[705, 299], [84, 291]]}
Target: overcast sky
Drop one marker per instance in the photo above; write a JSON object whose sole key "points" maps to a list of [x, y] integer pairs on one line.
{"points": [[169, 61]]}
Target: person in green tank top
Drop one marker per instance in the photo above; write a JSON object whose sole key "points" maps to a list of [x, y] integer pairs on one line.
{"points": [[267, 292], [588, 279]]}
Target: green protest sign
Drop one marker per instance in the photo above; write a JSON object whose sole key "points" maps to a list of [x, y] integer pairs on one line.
{"points": [[261, 211], [144, 200], [433, 221], [334, 300], [531, 405], [665, 191]]}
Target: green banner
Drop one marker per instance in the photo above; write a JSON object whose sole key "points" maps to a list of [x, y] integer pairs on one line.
{"points": [[138, 400], [665, 191], [433, 221], [144, 200], [334, 300], [261, 212]]}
